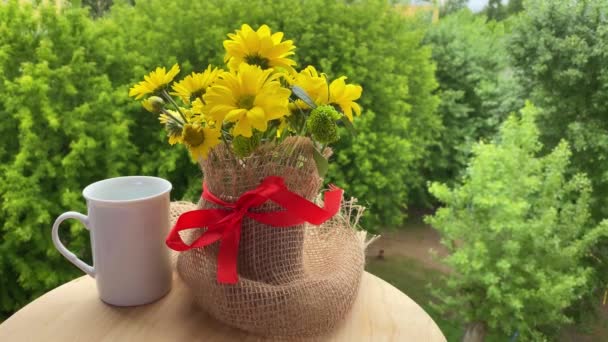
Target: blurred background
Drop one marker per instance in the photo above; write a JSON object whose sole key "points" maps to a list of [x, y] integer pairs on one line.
{"points": [[495, 111]]}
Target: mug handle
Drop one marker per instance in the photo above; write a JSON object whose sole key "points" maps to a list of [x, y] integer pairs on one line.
{"points": [[61, 248]]}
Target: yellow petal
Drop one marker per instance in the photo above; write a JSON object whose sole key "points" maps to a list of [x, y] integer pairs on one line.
{"points": [[257, 119], [235, 114], [243, 128]]}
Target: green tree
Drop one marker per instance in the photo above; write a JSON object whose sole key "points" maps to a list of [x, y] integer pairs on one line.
{"points": [[518, 232], [495, 10], [560, 52], [476, 87], [63, 126], [515, 6], [450, 6], [97, 7]]}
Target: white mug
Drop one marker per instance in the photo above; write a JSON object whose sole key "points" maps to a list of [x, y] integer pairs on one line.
{"points": [[128, 219]]}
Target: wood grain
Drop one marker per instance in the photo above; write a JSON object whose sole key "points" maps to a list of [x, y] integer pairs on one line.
{"points": [[73, 312]]}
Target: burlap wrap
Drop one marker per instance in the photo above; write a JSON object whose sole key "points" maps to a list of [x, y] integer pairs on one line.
{"points": [[299, 281]]}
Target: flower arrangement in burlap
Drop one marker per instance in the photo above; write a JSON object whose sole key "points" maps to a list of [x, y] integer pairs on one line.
{"points": [[264, 250]]}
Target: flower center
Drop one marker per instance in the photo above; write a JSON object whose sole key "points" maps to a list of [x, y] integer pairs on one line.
{"points": [[258, 60], [193, 136], [196, 94], [246, 101]]}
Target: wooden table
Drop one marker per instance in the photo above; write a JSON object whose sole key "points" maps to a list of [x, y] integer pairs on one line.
{"points": [[73, 312]]}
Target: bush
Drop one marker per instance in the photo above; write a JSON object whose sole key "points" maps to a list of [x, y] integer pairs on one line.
{"points": [[476, 88], [63, 126], [518, 234]]}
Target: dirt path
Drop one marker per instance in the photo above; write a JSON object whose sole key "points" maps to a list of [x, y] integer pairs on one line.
{"points": [[413, 241]]}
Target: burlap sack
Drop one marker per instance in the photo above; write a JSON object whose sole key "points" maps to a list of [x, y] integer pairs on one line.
{"points": [[298, 281]]}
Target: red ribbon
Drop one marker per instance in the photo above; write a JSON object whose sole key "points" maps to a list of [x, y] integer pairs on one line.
{"points": [[224, 225]]}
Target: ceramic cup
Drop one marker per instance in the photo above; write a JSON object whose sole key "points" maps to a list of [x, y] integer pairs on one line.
{"points": [[128, 219]]}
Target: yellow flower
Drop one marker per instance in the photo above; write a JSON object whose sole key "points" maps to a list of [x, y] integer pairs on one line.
{"points": [[154, 81], [198, 106], [174, 138], [314, 84], [340, 93], [344, 95], [193, 86], [261, 48], [153, 104], [199, 140], [172, 126], [249, 97]]}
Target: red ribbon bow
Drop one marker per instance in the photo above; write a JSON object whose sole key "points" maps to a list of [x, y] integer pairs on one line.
{"points": [[224, 224]]}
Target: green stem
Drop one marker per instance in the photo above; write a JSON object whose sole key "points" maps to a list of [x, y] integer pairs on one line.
{"points": [[236, 162], [302, 129], [170, 99]]}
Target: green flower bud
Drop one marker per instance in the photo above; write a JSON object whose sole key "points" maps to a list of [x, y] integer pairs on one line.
{"points": [[243, 146], [153, 104], [322, 124]]}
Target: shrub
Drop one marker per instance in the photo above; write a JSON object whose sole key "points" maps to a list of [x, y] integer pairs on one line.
{"points": [[476, 88], [518, 233], [63, 126]]}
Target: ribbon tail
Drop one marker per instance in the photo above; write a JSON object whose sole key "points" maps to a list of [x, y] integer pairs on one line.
{"points": [[228, 254]]}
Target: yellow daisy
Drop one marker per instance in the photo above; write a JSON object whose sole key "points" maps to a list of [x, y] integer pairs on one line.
{"points": [[337, 93], [261, 48], [175, 116], [172, 126], [249, 97], [153, 104], [193, 86], [198, 106], [199, 140], [313, 83], [344, 95], [154, 81], [175, 137]]}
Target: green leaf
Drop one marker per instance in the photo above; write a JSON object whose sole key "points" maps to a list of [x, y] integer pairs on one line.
{"points": [[322, 164], [300, 93]]}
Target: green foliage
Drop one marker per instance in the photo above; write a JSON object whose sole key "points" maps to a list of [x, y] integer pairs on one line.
{"points": [[63, 126], [517, 230], [560, 50], [476, 88]]}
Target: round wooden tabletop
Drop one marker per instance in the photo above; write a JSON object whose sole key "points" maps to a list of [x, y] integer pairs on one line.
{"points": [[73, 312]]}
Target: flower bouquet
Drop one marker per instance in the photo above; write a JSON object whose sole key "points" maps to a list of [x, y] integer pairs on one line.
{"points": [[262, 251]]}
